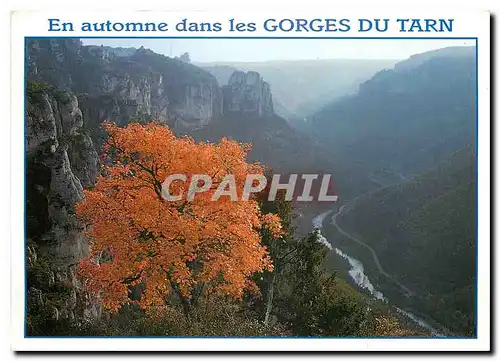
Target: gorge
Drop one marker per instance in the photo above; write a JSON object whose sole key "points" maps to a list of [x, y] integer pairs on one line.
{"points": [[398, 137]]}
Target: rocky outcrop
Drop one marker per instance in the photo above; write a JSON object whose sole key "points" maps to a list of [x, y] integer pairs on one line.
{"points": [[60, 162], [249, 94], [129, 85], [197, 108], [123, 85], [184, 57]]}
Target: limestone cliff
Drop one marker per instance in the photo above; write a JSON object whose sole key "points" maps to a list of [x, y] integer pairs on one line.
{"points": [[60, 162], [124, 86], [249, 94]]}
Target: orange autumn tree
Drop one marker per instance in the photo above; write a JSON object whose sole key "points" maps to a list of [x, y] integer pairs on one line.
{"points": [[138, 237]]}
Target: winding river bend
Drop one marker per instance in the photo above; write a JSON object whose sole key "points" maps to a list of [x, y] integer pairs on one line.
{"points": [[356, 271]]}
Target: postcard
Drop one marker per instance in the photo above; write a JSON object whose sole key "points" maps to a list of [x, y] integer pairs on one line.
{"points": [[307, 180]]}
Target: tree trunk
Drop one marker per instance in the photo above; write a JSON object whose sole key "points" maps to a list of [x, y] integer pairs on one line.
{"points": [[185, 302], [186, 307], [269, 301]]}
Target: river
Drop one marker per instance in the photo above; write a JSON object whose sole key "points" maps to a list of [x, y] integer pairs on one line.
{"points": [[357, 273]]}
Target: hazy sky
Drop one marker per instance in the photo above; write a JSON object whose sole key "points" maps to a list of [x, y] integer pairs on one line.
{"points": [[233, 50]]}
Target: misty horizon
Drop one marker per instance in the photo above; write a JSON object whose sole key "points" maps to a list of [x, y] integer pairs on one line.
{"points": [[276, 50]]}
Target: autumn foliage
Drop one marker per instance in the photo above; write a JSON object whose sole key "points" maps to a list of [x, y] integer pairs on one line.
{"points": [[169, 247]]}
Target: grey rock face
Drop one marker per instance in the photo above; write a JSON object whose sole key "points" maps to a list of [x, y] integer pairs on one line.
{"points": [[198, 107], [248, 93], [123, 86], [84, 159], [130, 99], [61, 161], [71, 116], [55, 134], [41, 129], [65, 187]]}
